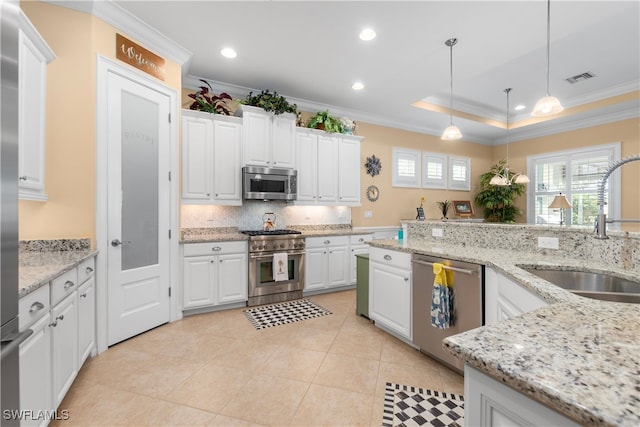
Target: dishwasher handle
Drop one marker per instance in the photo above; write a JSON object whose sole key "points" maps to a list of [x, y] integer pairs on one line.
{"points": [[446, 267]]}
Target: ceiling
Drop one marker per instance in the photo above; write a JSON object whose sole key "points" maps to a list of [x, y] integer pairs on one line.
{"points": [[310, 52]]}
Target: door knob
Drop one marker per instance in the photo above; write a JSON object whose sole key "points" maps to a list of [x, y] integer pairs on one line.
{"points": [[116, 242]]}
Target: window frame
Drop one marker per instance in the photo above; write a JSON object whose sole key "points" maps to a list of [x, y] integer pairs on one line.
{"points": [[455, 185], [431, 183], [406, 153]]}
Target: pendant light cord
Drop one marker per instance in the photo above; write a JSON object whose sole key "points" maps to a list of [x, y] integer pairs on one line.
{"points": [[451, 83], [548, 41]]}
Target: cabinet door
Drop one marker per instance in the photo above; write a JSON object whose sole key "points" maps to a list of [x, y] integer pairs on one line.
{"points": [[227, 184], [283, 151], [257, 138], [307, 164], [35, 371], [349, 172], [356, 250], [198, 284], [197, 143], [86, 320], [64, 346], [390, 298], [315, 269], [232, 278], [338, 266], [505, 298], [327, 169]]}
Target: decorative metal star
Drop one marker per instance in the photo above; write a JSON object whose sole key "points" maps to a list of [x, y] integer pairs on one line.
{"points": [[373, 165]]}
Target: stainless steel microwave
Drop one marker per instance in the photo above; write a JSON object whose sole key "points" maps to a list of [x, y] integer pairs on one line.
{"points": [[260, 183]]}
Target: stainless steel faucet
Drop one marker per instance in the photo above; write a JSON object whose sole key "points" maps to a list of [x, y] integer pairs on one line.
{"points": [[601, 220]]}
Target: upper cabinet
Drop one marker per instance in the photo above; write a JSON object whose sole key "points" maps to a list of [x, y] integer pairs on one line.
{"points": [[211, 159], [33, 56], [268, 139]]}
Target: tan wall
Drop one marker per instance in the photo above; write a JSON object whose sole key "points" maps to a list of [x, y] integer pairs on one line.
{"points": [[70, 183], [626, 131]]}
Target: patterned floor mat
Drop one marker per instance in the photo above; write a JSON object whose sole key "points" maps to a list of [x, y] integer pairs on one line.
{"points": [[282, 313], [413, 406]]}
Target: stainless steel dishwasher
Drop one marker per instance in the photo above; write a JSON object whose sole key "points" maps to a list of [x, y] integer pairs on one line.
{"points": [[468, 283]]}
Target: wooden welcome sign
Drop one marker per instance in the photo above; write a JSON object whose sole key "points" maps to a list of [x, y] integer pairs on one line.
{"points": [[139, 57]]}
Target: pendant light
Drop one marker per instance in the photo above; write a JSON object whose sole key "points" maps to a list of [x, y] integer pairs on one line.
{"points": [[503, 179], [547, 105], [452, 132]]}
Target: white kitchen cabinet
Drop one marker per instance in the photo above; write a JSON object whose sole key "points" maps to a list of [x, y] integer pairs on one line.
{"points": [[86, 320], [214, 274], [35, 371], [326, 263], [268, 139], [33, 56], [489, 403], [390, 305], [504, 298], [357, 245], [307, 163], [211, 159], [349, 170], [64, 346]]}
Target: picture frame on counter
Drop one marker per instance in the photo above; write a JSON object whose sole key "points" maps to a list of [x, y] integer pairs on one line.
{"points": [[463, 208]]}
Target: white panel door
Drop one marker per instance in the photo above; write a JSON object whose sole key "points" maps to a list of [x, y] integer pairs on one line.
{"points": [[197, 145], [232, 278], [283, 141], [227, 161], [327, 169], [139, 133], [349, 172], [307, 164]]}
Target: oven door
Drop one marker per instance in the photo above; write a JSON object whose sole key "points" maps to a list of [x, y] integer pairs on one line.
{"points": [[261, 274]]}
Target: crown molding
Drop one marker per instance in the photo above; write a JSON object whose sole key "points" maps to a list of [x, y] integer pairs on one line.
{"points": [[132, 26], [32, 34]]}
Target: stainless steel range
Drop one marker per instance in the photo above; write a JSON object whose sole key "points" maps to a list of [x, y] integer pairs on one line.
{"points": [[276, 266]]}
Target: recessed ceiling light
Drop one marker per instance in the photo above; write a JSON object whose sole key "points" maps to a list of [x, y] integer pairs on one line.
{"points": [[520, 107], [367, 34], [357, 86], [227, 52]]}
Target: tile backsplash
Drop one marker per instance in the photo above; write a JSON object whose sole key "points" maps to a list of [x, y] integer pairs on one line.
{"points": [[249, 215]]}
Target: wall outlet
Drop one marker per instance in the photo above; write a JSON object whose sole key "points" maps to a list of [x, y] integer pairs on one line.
{"points": [[548, 242], [368, 214], [437, 232]]}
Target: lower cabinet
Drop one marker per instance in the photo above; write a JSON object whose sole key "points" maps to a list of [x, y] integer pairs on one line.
{"points": [[390, 284], [86, 320], [489, 403], [358, 245], [214, 274], [64, 346], [326, 263], [504, 298], [35, 372]]}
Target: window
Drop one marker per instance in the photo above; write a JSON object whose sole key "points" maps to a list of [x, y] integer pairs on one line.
{"points": [[434, 170], [459, 173], [406, 168], [576, 174]]}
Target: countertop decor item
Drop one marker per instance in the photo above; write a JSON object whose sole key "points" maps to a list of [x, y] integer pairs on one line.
{"points": [[499, 201], [205, 100], [270, 102], [373, 165], [463, 208], [373, 193], [444, 207], [325, 121], [560, 202]]}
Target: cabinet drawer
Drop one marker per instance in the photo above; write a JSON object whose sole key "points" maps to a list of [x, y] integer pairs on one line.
{"points": [[33, 306], [360, 239], [389, 257], [214, 248], [320, 242], [63, 285], [86, 269]]}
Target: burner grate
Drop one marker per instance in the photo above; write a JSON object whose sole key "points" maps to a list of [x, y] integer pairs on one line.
{"points": [[270, 233]]}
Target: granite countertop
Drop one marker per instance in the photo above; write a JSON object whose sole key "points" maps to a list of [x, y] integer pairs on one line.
{"points": [[221, 234], [579, 356], [42, 261]]}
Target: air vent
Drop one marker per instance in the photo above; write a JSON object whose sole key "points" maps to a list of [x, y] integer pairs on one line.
{"points": [[580, 77]]}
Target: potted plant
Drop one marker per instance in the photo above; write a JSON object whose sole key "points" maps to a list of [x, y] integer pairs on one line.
{"points": [[270, 102], [325, 121], [498, 201], [204, 100], [444, 208]]}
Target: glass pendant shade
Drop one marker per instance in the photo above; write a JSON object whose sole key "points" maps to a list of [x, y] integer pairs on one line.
{"points": [[522, 179], [499, 180], [547, 106], [451, 133]]}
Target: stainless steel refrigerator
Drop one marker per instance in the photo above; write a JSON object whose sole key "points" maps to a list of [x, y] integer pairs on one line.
{"points": [[9, 332]]}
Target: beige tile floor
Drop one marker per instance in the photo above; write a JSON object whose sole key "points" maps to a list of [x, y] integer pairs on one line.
{"points": [[216, 369]]}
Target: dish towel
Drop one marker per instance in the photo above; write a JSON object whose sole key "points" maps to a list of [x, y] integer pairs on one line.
{"points": [[442, 297], [280, 267]]}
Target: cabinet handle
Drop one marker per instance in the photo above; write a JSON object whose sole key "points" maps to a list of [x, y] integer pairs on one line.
{"points": [[216, 248], [208, 194], [61, 317], [36, 306], [53, 324], [68, 284], [22, 178], [340, 197], [330, 252], [387, 257], [212, 261], [83, 295], [216, 194], [319, 197], [406, 279], [361, 240], [326, 242], [88, 270]]}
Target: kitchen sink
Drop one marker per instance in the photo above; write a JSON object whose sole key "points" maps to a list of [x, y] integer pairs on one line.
{"points": [[600, 286]]}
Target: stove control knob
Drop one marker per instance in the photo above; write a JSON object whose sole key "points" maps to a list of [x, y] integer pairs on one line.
{"points": [[253, 247], [281, 245]]}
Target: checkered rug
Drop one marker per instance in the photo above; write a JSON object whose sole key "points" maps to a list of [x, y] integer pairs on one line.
{"points": [[287, 312], [413, 406]]}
